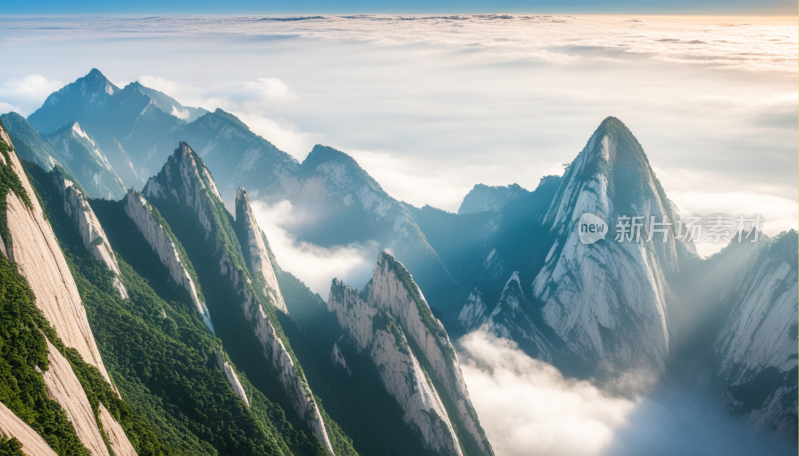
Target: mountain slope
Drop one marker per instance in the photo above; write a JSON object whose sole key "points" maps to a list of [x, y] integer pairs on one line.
{"points": [[28, 144], [756, 348], [82, 153], [392, 321], [187, 196], [350, 205], [62, 360], [165, 362]]}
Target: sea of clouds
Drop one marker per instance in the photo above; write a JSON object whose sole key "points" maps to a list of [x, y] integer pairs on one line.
{"points": [[527, 407], [432, 105]]}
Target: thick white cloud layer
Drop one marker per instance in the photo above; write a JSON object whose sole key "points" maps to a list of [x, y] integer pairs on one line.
{"points": [[461, 100], [527, 407]]}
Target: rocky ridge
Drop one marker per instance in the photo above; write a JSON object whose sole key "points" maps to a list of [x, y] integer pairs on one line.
{"points": [[186, 181], [417, 362], [94, 238], [156, 232], [254, 246]]}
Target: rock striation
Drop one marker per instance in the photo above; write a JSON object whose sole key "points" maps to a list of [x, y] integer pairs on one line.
{"points": [[94, 238], [391, 321], [65, 388], [32, 443], [185, 181], [116, 435], [38, 255], [157, 233], [256, 255], [757, 347]]}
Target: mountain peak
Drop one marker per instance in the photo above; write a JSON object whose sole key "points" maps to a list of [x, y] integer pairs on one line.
{"points": [[184, 175]]}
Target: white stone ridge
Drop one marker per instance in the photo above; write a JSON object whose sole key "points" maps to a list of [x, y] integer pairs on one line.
{"points": [[609, 285], [388, 292], [185, 179], [353, 313], [139, 211], [294, 383], [65, 388], [231, 377], [116, 435], [40, 259], [337, 358], [260, 264], [32, 443], [758, 333], [399, 369], [77, 208], [191, 189]]}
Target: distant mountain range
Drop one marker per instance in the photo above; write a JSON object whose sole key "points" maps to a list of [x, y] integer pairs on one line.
{"points": [[373, 371]]}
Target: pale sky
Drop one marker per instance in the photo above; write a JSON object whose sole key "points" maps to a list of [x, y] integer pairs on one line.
{"points": [[431, 106]]}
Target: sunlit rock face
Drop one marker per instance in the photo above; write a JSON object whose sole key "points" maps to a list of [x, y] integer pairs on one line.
{"points": [[160, 238], [184, 180], [756, 348], [254, 247], [94, 238], [37, 253], [391, 322]]}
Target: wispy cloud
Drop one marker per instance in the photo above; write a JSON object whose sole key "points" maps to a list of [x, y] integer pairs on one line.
{"points": [[25, 95], [315, 266]]}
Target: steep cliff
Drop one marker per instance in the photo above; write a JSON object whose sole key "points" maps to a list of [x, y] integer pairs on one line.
{"points": [[80, 151], [607, 301], [756, 348], [185, 185], [254, 247], [231, 377], [32, 443], [417, 363], [36, 252], [49, 284], [377, 333], [29, 144], [65, 388], [158, 234], [94, 238]]}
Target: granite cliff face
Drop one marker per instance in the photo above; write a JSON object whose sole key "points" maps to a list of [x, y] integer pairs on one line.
{"points": [[756, 348], [392, 322], [32, 442], [256, 254], [185, 182], [36, 252], [166, 246], [94, 238], [231, 377], [39, 257]]}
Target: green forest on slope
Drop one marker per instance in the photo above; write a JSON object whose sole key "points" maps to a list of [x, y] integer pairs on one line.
{"points": [[159, 353]]}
